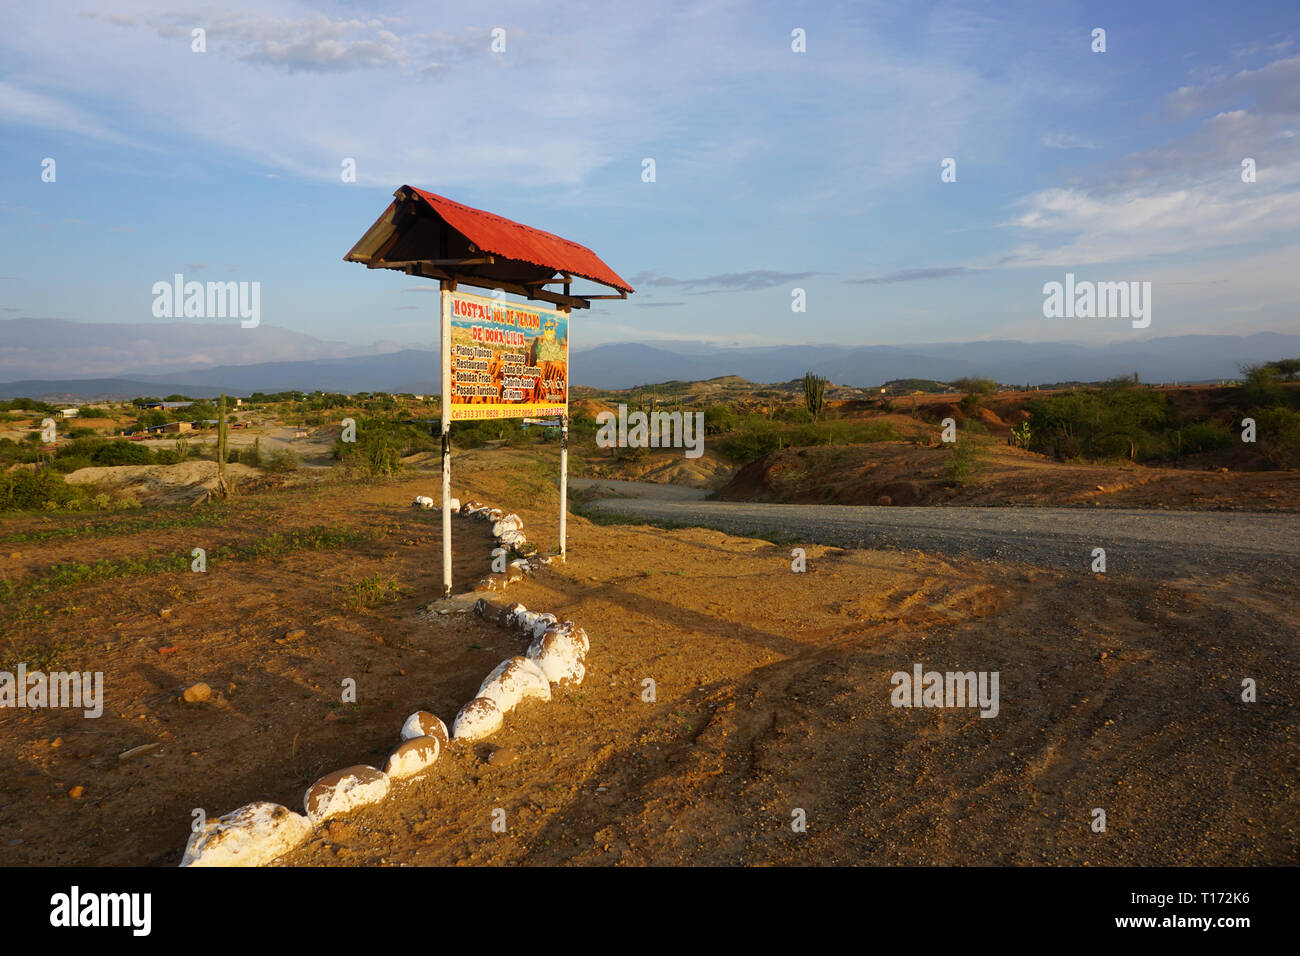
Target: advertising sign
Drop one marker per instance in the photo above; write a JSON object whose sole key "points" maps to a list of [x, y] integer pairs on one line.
{"points": [[507, 360]]}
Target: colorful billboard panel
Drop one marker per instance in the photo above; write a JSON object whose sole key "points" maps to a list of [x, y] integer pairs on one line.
{"points": [[508, 360]]}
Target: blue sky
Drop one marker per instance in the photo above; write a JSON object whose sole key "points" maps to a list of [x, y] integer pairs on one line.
{"points": [[774, 169]]}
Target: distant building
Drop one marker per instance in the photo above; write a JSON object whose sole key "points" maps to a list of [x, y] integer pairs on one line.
{"points": [[177, 427], [163, 406], [68, 412]]}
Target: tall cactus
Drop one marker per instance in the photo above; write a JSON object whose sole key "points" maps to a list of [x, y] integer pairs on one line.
{"points": [[223, 489], [814, 394]]}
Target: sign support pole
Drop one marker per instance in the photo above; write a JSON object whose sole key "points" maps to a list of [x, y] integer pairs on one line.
{"points": [[445, 295], [564, 434], [564, 478]]}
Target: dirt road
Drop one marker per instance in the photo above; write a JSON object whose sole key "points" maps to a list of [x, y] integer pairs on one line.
{"points": [[1159, 544]]}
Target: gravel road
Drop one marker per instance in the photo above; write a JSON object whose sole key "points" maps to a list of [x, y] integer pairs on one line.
{"points": [[1153, 543]]}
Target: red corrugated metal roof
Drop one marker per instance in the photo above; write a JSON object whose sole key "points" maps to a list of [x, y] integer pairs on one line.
{"points": [[504, 237]]}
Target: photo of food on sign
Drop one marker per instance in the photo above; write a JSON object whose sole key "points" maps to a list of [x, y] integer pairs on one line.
{"points": [[507, 360]]}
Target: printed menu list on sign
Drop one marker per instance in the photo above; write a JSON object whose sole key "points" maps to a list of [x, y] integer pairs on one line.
{"points": [[507, 360]]}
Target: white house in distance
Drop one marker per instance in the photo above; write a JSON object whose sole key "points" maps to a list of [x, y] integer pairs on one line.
{"points": [[67, 413]]}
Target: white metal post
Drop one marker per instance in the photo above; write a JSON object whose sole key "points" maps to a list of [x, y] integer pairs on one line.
{"points": [[445, 296], [564, 478], [564, 431]]}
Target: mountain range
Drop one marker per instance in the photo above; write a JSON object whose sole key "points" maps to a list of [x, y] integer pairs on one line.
{"points": [[171, 358]]}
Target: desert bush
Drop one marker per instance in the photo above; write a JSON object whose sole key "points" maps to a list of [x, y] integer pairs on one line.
{"points": [[965, 461], [122, 453], [377, 451], [66, 464], [975, 386], [251, 455], [1202, 436], [758, 436], [1260, 388], [477, 433], [27, 490], [281, 460], [720, 419], [794, 415], [1115, 422], [1279, 436]]}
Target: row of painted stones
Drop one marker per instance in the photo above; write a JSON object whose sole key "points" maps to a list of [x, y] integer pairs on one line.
{"points": [[259, 832]]}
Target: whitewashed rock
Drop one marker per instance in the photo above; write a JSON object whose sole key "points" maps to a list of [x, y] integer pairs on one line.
{"points": [[543, 622], [515, 680], [512, 615], [424, 724], [577, 633], [415, 756], [423, 501], [559, 654], [455, 504], [524, 622], [345, 790], [510, 522], [493, 514], [479, 719], [512, 539], [469, 507], [250, 836]]}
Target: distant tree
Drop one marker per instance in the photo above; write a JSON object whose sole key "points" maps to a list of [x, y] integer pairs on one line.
{"points": [[1285, 368], [1260, 387], [976, 386]]}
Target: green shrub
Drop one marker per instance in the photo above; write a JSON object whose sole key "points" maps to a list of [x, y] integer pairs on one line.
{"points": [[975, 386], [66, 464], [1202, 436], [1278, 437], [122, 453], [965, 461], [1260, 388], [281, 460], [719, 419], [28, 490], [1119, 421], [758, 436], [377, 451]]}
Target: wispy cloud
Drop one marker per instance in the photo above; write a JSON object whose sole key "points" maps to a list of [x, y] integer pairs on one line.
{"points": [[722, 282], [1067, 141], [916, 275]]}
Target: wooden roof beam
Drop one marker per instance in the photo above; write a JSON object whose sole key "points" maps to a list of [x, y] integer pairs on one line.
{"points": [[427, 272], [401, 263]]}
